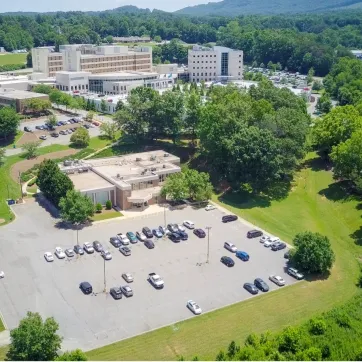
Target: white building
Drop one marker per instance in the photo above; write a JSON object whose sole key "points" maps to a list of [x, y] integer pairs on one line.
{"points": [[215, 64], [72, 81]]}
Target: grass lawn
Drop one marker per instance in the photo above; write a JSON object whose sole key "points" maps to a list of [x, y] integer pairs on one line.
{"points": [[3, 351], [33, 189], [1, 328], [99, 142], [105, 215], [12, 59], [314, 203], [8, 187]]}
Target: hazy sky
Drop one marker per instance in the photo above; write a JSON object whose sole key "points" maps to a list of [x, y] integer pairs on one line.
{"points": [[84, 5]]}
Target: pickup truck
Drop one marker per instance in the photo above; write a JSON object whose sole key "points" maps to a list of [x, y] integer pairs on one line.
{"points": [[156, 280]]}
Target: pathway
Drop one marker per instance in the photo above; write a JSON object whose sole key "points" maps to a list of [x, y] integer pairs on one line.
{"points": [[4, 338]]}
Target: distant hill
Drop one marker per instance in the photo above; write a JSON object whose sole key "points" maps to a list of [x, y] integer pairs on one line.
{"points": [[246, 7]]}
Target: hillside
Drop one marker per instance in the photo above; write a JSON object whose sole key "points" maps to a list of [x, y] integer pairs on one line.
{"points": [[245, 7]]}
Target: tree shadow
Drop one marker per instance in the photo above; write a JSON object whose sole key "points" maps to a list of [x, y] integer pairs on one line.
{"points": [[317, 164], [47, 206], [340, 191], [357, 236], [5, 142], [308, 277], [243, 199]]}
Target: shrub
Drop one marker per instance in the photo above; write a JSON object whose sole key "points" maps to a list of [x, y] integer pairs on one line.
{"points": [[109, 205], [99, 207], [343, 320], [318, 326]]}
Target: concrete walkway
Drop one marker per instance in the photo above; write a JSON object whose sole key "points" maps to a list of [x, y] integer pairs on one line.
{"points": [[4, 338]]}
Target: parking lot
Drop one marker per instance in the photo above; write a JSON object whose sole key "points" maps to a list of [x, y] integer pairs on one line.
{"points": [[90, 321]]}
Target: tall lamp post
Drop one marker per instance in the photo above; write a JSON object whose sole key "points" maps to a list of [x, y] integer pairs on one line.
{"points": [[104, 275], [208, 228]]}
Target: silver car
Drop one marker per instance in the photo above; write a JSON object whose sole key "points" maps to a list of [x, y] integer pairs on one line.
{"points": [[230, 246], [141, 236]]}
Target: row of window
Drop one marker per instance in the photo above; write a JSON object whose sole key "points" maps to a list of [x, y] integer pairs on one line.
{"points": [[202, 56], [204, 68], [203, 62], [117, 58], [202, 74]]}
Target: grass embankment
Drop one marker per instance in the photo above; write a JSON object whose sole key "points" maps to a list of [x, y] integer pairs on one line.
{"points": [[106, 215], [3, 351], [314, 203], [99, 142], [8, 187], [12, 58]]}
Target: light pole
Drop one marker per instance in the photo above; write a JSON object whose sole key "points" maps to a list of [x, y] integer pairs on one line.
{"points": [[164, 214], [208, 228], [104, 275]]}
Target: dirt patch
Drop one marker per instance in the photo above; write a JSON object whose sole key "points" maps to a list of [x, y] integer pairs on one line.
{"points": [[2, 221], [26, 138], [26, 164]]}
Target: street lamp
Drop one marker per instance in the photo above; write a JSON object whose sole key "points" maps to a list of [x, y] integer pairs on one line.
{"points": [[208, 228], [104, 275]]}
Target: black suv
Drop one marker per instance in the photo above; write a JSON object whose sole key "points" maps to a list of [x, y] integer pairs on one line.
{"points": [[183, 235], [175, 237], [115, 241], [228, 218], [260, 284], [147, 232], [227, 261], [254, 234], [116, 293], [200, 233], [86, 288]]}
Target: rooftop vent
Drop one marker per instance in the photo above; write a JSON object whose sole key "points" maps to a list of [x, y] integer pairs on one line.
{"points": [[153, 158], [67, 163], [76, 162], [166, 155], [164, 166], [153, 169], [118, 175]]}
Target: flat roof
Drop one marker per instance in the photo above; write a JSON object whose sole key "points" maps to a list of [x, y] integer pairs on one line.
{"points": [[124, 74], [19, 94], [89, 181]]}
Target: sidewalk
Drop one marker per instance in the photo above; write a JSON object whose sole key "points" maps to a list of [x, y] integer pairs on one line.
{"points": [[4, 338]]}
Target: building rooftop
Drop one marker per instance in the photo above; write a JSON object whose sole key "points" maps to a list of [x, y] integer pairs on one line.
{"points": [[123, 74], [89, 181], [18, 94]]}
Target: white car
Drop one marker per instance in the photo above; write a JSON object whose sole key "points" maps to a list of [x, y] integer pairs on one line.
{"points": [[295, 273], [123, 239], [189, 224], [69, 252], [194, 307], [210, 207], [156, 280], [88, 248], [268, 243], [128, 277], [180, 227], [230, 246], [279, 281], [2, 274], [264, 238], [43, 137], [48, 256], [106, 254], [59, 253], [141, 236]]}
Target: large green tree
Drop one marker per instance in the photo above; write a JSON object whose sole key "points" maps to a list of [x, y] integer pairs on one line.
{"points": [[80, 137], [109, 129], [199, 187], [313, 253], [31, 149], [324, 103], [53, 183], [9, 122], [175, 187], [34, 339]]}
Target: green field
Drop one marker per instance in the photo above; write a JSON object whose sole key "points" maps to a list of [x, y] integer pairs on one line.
{"points": [[314, 203], [99, 142], [12, 59], [106, 216]]}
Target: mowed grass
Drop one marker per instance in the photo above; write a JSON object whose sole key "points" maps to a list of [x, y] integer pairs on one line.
{"points": [[102, 141], [3, 351], [12, 59], [106, 215], [314, 203]]}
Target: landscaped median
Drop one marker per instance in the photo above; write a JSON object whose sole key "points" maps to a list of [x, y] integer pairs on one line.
{"points": [[314, 203]]}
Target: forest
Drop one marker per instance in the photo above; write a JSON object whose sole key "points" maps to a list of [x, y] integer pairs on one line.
{"points": [[297, 42]]}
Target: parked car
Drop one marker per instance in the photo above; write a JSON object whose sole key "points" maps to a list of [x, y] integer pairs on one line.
{"points": [[43, 137], [200, 233], [230, 246], [55, 134], [149, 244], [278, 246], [63, 132], [157, 233], [97, 246], [131, 237], [125, 250], [278, 280], [243, 255], [227, 261], [251, 288], [156, 280], [254, 234], [78, 250], [69, 252], [128, 277], [228, 218], [69, 131], [210, 207], [106, 255], [295, 273], [141, 236], [59, 253], [147, 231], [2, 274], [264, 238], [40, 127], [86, 126], [194, 307], [28, 129], [180, 228], [115, 241], [175, 237], [88, 248], [189, 224], [48, 256], [86, 288], [164, 230], [59, 123], [71, 121], [123, 239], [268, 243], [116, 293], [260, 284], [172, 227], [127, 290], [287, 254], [183, 235]]}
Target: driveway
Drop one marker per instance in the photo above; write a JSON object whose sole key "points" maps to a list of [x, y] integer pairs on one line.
{"points": [[92, 321]]}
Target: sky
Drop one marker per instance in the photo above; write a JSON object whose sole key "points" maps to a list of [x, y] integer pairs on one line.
{"points": [[85, 5]]}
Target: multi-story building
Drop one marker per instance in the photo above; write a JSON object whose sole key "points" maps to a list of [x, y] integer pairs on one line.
{"points": [[215, 64], [92, 59]]}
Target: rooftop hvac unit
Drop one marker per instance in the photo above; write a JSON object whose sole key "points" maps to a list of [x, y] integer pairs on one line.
{"points": [[165, 155], [153, 158], [76, 162], [153, 169], [164, 166], [138, 159], [145, 170], [67, 163]]}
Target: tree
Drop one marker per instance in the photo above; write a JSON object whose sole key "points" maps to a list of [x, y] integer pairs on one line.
{"points": [[175, 187], [104, 106], [53, 183], [119, 105], [157, 39], [31, 149], [34, 339], [37, 105], [310, 75], [193, 113], [9, 122], [109, 129], [2, 156], [198, 184], [108, 204], [43, 88], [89, 117], [51, 122], [290, 340], [76, 355], [76, 208], [80, 137], [313, 253], [324, 103], [29, 60], [109, 39], [317, 85], [99, 207]]}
